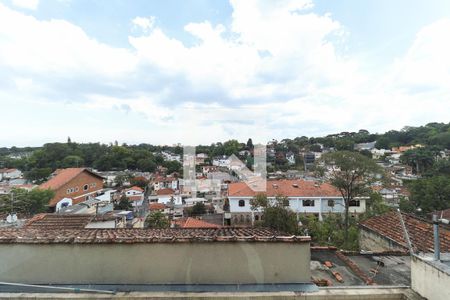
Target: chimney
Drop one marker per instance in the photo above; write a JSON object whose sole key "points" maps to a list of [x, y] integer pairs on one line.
{"points": [[437, 251]]}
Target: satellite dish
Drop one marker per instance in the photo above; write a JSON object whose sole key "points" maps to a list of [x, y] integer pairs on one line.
{"points": [[11, 218]]}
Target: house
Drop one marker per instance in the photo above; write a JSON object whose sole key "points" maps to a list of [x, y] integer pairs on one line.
{"points": [[209, 169], [365, 146], [385, 233], [305, 197], [165, 182], [72, 186], [135, 195], [7, 174], [221, 161], [166, 196], [200, 158]]}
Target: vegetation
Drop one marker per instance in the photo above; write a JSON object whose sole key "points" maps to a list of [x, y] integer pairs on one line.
{"points": [[38, 163], [277, 214], [331, 231], [156, 219], [197, 210], [123, 204], [351, 173], [26, 202]]}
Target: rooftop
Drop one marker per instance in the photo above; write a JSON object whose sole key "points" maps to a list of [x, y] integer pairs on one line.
{"points": [[135, 235], [196, 223], [56, 221], [288, 188], [420, 231]]}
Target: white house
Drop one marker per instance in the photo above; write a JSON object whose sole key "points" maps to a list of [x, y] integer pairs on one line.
{"points": [[305, 197], [165, 196], [222, 161], [6, 174]]}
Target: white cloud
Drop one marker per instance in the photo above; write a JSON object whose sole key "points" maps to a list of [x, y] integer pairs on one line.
{"points": [[28, 4], [144, 23], [275, 71]]}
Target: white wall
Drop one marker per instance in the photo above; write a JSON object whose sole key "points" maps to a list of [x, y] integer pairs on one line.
{"points": [[428, 280]]}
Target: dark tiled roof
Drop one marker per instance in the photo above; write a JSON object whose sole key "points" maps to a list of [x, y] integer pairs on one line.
{"points": [[122, 235], [56, 221], [420, 231]]}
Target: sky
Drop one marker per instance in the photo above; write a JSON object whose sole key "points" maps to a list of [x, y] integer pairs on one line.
{"points": [[198, 71]]}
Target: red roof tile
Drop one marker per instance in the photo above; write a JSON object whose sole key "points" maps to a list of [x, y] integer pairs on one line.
{"points": [[196, 223], [59, 221], [420, 231], [62, 177], [162, 192], [135, 235], [134, 188], [156, 206], [288, 188]]}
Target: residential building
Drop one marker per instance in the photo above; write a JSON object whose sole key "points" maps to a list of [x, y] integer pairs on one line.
{"points": [[167, 196], [72, 186], [7, 174], [165, 182], [305, 197]]}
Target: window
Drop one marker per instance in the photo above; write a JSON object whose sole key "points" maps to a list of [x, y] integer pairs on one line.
{"points": [[85, 187], [256, 218], [331, 203], [354, 203], [76, 189], [68, 191], [308, 202], [93, 184], [241, 203]]}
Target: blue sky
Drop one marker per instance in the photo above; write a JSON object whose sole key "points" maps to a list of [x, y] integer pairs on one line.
{"points": [[191, 72]]}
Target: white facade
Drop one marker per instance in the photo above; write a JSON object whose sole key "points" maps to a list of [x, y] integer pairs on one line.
{"points": [[10, 174], [307, 205], [165, 199]]}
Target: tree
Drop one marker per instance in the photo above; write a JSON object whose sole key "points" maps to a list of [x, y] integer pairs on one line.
{"points": [[250, 144], [156, 219], [376, 205], [277, 214], [226, 205], [351, 173], [27, 202], [124, 204], [198, 209], [72, 161], [430, 194]]}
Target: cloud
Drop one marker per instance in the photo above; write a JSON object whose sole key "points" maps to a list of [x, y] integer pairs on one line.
{"points": [[144, 23], [27, 4], [277, 70]]}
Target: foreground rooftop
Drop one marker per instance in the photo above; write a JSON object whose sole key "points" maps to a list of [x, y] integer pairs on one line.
{"points": [[135, 235]]}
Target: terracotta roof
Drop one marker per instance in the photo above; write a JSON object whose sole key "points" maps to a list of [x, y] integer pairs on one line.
{"points": [[59, 221], [156, 206], [136, 235], [420, 231], [288, 188], [135, 188], [162, 192], [62, 177], [196, 223]]}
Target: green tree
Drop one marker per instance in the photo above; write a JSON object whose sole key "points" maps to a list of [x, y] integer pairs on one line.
{"points": [[351, 173], [156, 219], [198, 209], [431, 193], [277, 214], [123, 204], [72, 161], [376, 205]]}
